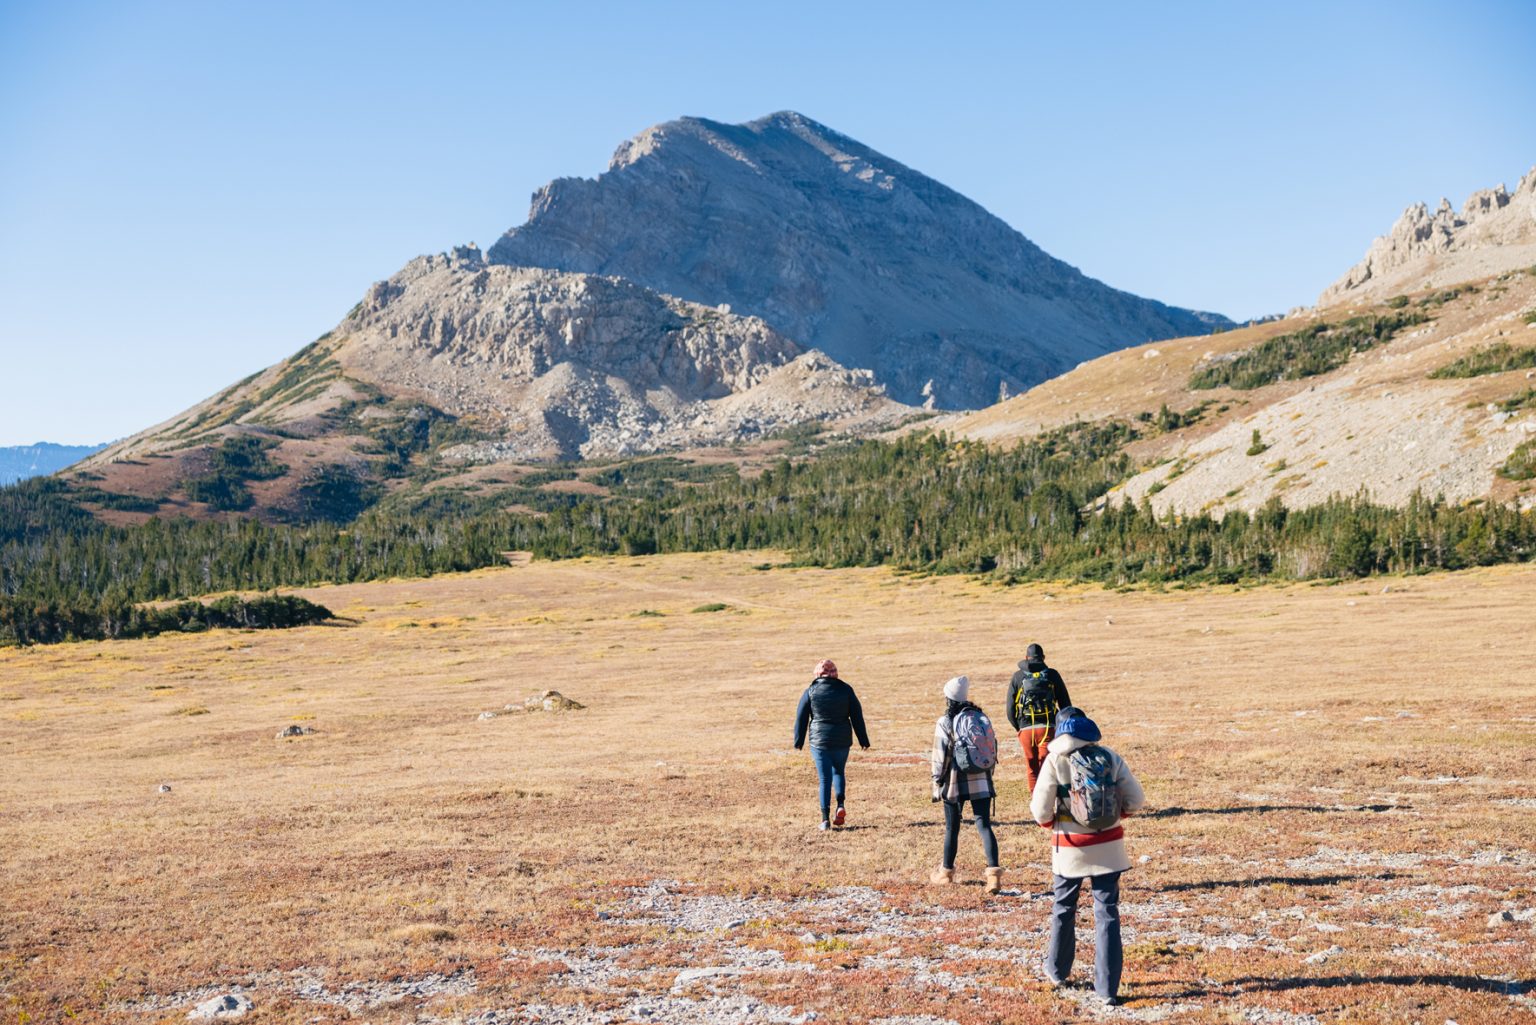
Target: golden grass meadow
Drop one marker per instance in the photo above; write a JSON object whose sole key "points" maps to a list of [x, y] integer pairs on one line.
{"points": [[1339, 829]]}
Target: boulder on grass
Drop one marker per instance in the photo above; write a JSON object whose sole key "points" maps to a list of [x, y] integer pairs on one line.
{"points": [[550, 701], [224, 1007]]}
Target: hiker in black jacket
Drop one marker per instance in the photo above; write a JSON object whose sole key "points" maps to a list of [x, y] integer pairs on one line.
{"points": [[1035, 694], [830, 715]]}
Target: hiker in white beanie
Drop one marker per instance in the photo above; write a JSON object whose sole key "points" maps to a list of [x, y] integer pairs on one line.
{"points": [[958, 688], [964, 753]]}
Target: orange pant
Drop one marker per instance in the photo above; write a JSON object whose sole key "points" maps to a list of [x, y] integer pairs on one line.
{"points": [[1033, 740]]}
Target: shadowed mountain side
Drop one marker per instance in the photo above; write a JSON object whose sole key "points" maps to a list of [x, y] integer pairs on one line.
{"points": [[840, 248]]}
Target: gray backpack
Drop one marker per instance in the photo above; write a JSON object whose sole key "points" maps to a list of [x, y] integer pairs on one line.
{"points": [[1093, 799]]}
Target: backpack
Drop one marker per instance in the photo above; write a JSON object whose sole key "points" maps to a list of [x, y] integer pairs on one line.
{"points": [[975, 742], [1093, 798], [1036, 700]]}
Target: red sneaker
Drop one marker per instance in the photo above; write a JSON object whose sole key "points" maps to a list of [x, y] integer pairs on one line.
{"points": [[837, 820]]}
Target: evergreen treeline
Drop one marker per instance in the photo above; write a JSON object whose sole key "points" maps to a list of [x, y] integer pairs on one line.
{"points": [[29, 622], [1037, 511], [1315, 349], [1498, 358], [237, 461]]}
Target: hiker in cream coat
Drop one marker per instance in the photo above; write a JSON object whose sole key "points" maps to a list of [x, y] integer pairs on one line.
{"points": [[1079, 854]]}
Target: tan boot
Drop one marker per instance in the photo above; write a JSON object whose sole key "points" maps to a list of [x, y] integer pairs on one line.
{"points": [[994, 880], [941, 876]]}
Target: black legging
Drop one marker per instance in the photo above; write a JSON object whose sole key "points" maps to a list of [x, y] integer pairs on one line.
{"points": [[983, 812]]}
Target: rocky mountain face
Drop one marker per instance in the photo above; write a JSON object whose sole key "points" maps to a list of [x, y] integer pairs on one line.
{"points": [[18, 462], [561, 365], [1495, 231], [840, 248]]}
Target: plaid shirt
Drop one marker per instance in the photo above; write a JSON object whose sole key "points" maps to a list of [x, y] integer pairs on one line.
{"points": [[949, 783]]}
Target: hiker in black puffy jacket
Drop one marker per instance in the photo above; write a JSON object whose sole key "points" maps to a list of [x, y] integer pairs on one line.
{"points": [[830, 714], [1035, 694]]}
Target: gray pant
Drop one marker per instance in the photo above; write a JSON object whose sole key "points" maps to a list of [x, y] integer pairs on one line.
{"points": [[1107, 956]]}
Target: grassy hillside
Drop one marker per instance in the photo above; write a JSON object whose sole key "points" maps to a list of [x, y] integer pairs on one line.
{"points": [[1420, 393]]}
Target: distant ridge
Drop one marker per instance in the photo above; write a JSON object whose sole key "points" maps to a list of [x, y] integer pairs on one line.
{"points": [[18, 462]]}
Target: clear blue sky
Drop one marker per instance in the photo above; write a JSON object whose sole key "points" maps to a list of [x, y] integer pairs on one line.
{"points": [[191, 191]]}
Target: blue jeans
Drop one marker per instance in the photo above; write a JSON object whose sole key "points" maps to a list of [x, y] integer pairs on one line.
{"points": [[1107, 955], [830, 763]]}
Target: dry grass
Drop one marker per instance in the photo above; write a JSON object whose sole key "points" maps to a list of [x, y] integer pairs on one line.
{"points": [[1340, 779]]}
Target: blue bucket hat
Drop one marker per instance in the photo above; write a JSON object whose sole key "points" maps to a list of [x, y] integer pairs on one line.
{"points": [[1071, 722]]}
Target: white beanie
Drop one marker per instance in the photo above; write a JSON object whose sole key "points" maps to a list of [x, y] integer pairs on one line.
{"points": [[958, 688]]}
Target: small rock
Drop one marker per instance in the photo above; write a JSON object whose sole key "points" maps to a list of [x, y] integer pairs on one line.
{"points": [[163, 788], [293, 731], [221, 1008], [1323, 955], [807, 937], [688, 975], [551, 701], [1386, 589], [1499, 918], [603, 916], [1144, 859], [487, 715]]}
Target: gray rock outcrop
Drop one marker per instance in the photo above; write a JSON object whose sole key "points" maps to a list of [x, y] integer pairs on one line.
{"points": [[839, 248], [224, 1007], [1495, 231], [549, 701], [567, 365]]}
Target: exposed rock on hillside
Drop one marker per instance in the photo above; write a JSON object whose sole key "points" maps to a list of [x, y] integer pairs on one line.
{"points": [[1379, 422], [556, 364], [841, 248], [1494, 232], [566, 365]]}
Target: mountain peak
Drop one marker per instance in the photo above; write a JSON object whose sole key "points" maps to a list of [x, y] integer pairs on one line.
{"points": [[781, 130], [840, 248]]}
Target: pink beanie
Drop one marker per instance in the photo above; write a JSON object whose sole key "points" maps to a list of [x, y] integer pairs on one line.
{"points": [[826, 667]]}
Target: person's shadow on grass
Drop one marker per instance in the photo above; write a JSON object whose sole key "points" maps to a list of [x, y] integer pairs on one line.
{"points": [[1250, 984]]}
